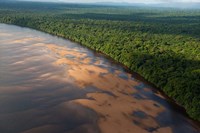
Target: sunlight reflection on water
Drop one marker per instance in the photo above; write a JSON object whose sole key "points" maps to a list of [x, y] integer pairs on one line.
{"points": [[51, 85]]}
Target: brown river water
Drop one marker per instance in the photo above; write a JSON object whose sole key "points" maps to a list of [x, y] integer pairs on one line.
{"points": [[52, 85]]}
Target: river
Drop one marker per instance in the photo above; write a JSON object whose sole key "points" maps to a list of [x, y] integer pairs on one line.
{"points": [[52, 85]]}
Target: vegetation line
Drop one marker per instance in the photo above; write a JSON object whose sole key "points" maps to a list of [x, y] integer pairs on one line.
{"points": [[162, 45]]}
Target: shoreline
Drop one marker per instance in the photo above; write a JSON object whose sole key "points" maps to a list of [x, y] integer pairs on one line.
{"points": [[134, 74]]}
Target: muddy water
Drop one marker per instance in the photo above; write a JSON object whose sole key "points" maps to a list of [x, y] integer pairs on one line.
{"points": [[52, 85]]}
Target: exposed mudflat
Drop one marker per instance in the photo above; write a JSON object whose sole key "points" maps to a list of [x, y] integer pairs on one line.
{"points": [[51, 85]]}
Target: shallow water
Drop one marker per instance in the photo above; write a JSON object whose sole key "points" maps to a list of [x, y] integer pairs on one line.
{"points": [[50, 85]]}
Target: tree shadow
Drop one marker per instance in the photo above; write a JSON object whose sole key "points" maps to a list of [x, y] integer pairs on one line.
{"points": [[178, 77]]}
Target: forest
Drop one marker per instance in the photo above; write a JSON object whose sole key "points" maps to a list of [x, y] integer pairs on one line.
{"points": [[161, 44]]}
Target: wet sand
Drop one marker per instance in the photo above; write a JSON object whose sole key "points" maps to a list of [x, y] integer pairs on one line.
{"points": [[52, 85]]}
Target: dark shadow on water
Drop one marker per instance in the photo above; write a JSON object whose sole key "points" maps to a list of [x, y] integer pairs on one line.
{"points": [[140, 114], [48, 102], [171, 117]]}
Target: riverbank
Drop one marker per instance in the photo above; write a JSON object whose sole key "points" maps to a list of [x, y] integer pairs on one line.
{"points": [[49, 68], [157, 43], [137, 76]]}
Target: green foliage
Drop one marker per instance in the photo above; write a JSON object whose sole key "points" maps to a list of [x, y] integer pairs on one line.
{"points": [[163, 45]]}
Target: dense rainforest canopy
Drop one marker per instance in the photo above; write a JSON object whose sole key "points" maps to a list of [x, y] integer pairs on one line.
{"points": [[163, 45]]}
